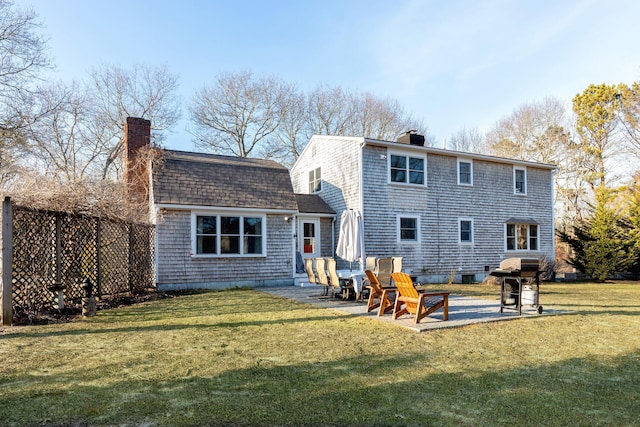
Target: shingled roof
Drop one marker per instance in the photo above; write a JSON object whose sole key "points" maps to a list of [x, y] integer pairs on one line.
{"points": [[312, 203], [199, 179]]}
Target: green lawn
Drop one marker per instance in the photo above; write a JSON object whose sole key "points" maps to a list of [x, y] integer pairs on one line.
{"points": [[243, 357]]}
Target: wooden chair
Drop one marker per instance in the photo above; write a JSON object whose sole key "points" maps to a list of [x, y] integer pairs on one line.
{"points": [[345, 286], [409, 300], [378, 296], [385, 268], [322, 278]]}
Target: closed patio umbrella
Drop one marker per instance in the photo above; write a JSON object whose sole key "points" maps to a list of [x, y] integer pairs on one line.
{"points": [[351, 238]]}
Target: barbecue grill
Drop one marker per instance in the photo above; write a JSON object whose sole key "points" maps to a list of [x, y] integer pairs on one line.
{"points": [[519, 283]]}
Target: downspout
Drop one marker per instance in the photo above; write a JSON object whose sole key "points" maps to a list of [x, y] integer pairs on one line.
{"points": [[294, 273], [361, 193], [333, 236], [553, 219]]}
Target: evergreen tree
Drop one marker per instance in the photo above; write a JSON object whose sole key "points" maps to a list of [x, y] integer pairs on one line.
{"points": [[600, 245], [632, 226]]}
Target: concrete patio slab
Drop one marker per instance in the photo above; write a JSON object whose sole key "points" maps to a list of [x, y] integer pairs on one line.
{"points": [[462, 310]]}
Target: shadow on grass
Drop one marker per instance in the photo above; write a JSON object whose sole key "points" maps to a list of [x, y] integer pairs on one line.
{"points": [[401, 390], [177, 326]]}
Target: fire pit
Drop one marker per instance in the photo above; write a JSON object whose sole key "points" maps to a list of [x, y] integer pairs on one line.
{"points": [[519, 283]]}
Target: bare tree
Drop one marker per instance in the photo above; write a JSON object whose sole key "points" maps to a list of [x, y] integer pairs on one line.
{"points": [[139, 91], [290, 137], [469, 140], [238, 113], [267, 117], [62, 141], [330, 111], [334, 111], [22, 58], [534, 132], [538, 131]]}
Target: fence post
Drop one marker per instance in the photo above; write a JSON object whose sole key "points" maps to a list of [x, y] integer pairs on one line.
{"points": [[6, 262]]}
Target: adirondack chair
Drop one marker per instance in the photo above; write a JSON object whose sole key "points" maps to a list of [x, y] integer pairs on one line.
{"points": [[322, 278], [409, 300], [345, 286], [378, 296], [385, 268]]}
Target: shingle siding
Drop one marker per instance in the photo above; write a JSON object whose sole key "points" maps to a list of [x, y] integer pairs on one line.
{"points": [[489, 203], [338, 159], [177, 269]]}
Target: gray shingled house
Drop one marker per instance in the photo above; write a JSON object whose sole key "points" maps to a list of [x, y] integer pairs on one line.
{"points": [[226, 221], [445, 212]]}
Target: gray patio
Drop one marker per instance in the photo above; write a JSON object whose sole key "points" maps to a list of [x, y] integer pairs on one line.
{"points": [[462, 310]]}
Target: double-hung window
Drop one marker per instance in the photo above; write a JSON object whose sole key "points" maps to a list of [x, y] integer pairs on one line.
{"points": [[465, 230], [520, 181], [407, 169], [229, 235], [465, 172], [521, 237], [408, 229], [315, 181]]}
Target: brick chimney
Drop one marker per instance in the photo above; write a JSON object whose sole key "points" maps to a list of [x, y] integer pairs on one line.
{"points": [[137, 134]]}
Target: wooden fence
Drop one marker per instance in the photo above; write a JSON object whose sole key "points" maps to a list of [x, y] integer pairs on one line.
{"points": [[43, 251]]}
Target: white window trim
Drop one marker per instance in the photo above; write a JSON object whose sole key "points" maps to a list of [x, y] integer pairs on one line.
{"points": [[506, 247], [398, 237], [470, 161], [407, 155], [194, 239], [463, 242], [526, 184], [315, 178]]}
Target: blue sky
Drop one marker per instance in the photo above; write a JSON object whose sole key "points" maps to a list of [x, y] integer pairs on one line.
{"points": [[451, 63]]}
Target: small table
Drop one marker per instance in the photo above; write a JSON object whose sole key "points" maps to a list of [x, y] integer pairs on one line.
{"points": [[356, 276]]}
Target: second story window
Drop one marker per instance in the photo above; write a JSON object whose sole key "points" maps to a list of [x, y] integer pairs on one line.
{"points": [[315, 181], [519, 181], [465, 172], [406, 169]]}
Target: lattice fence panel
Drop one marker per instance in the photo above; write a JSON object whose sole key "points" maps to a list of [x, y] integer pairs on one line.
{"points": [[79, 255], [142, 257], [34, 259], [125, 263], [114, 257]]}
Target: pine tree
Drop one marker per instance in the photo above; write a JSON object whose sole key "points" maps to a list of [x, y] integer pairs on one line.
{"points": [[600, 243]]}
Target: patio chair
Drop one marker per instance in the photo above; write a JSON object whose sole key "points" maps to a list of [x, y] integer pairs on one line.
{"points": [[378, 296], [370, 263], [345, 286], [308, 268], [397, 264], [322, 278], [409, 300], [385, 268]]}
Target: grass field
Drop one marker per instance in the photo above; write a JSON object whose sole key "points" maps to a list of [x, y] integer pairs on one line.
{"points": [[243, 357]]}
